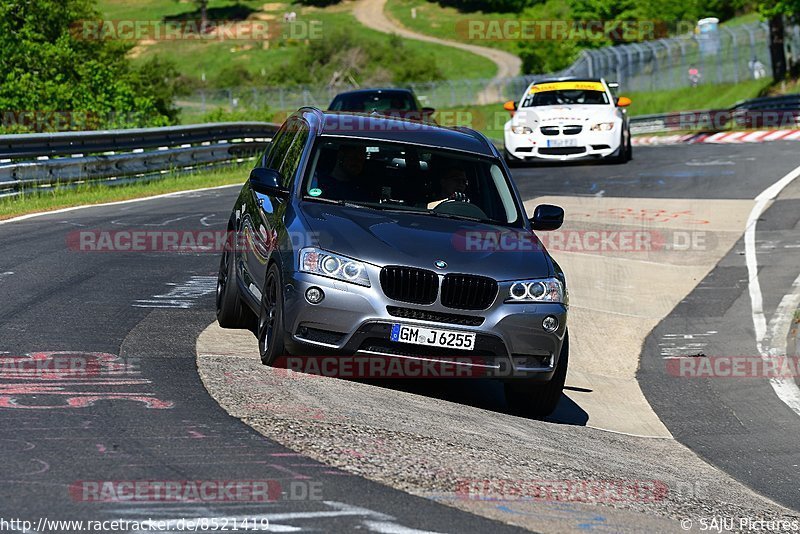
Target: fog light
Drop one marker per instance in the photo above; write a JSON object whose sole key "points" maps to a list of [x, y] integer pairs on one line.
{"points": [[314, 295], [550, 324]]}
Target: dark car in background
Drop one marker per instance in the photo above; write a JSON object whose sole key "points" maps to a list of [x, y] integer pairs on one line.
{"points": [[400, 103], [367, 235]]}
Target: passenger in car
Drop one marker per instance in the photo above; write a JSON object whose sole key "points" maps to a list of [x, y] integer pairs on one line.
{"points": [[347, 180]]}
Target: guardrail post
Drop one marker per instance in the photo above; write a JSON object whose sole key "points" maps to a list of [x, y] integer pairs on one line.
{"points": [[652, 46], [618, 63], [589, 62]]}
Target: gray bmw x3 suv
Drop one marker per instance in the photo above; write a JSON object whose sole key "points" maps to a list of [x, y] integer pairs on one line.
{"points": [[366, 236]]}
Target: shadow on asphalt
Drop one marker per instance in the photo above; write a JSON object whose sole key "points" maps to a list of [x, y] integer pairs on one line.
{"points": [[484, 394]]}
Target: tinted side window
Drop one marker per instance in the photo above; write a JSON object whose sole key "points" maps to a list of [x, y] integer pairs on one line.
{"points": [[294, 152], [280, 143]]}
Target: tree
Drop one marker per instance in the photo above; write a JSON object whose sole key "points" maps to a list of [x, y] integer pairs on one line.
{"points": [[203, 6], [775, 11], [55, 60]]}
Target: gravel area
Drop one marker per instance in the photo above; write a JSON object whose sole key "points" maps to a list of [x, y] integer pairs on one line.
{"points": [[540, 475]]}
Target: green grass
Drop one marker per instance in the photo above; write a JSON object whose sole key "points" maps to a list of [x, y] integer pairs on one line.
{"points": [[33, 202], [195, 58], [445, 22], [695, 98]]}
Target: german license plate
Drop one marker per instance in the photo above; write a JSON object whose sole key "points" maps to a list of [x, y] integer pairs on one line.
{"points": [[432, 337], [557, 143]]}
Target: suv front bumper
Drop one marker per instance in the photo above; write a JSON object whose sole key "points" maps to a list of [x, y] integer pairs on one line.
{"points": [[354, 320]]}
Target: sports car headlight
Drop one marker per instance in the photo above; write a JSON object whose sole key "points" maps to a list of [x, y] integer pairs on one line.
{"points": [[521, 129], [602, 126], [324, 263], [543, 290]]}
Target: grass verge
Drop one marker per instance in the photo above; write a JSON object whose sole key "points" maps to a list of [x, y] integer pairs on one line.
{"points": [[693, 98], [87, 194]]}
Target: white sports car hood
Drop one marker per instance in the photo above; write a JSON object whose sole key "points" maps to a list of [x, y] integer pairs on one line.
{"points": [[561, 114]]}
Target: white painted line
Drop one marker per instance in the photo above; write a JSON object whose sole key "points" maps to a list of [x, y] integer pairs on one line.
{"points": [[116, 203], [779, 327], [789, 393]]}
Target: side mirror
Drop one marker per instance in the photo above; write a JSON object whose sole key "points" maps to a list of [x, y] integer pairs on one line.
{"points": [[623, 101], [613, 85], [510, 106], [547, 217], [427, 112], [267, 182]]}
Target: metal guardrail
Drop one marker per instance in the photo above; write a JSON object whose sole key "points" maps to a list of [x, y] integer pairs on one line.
{"points": [[765, 112], [35, 160]]}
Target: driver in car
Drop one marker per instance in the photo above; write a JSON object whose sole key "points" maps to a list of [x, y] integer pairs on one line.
{"points": [[453, 187]]}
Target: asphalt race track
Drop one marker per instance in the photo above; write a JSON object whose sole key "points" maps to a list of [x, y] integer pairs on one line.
{"points": [[137, 409]]}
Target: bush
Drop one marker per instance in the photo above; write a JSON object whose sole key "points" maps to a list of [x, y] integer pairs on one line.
{"points": [[50, 64]]}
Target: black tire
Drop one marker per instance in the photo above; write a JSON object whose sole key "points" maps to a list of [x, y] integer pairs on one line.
{"points": [[624, 152], [231, 311], [511, 161], [270, 321], [629, 149], [537, 399]]}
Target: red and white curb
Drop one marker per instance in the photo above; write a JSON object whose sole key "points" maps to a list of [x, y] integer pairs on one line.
{"points": [[758, 136]]}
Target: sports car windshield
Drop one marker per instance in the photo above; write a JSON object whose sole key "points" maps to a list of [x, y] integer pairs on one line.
{"points": [[566, 93], [402, 177]]}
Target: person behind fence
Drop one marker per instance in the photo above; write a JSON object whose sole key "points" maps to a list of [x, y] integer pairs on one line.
{"points": [[757, 68]]}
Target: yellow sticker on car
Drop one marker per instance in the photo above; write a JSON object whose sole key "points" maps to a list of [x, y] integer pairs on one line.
{"points": [[567, 86]]}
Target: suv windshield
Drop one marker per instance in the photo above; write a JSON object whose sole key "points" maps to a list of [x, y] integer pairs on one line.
{"points": [[392, 176], [377, 101], [565, 93]]}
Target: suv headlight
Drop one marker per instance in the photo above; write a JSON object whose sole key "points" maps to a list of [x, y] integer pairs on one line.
{"points": [[324, 263], [602, 126], [542, 290], [521, 129]]}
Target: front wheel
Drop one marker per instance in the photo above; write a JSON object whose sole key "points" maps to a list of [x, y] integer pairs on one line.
{"points": [[537, 399], [270, 322]]}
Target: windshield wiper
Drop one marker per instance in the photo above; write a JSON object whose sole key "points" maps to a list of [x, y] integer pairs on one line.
{"points": [[462, 217], [332, 201]]}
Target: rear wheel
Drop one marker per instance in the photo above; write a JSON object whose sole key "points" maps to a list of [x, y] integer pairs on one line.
{"points": [[624, 154], [537, 399], [629, 151], [231, 312], [270, 322]]}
